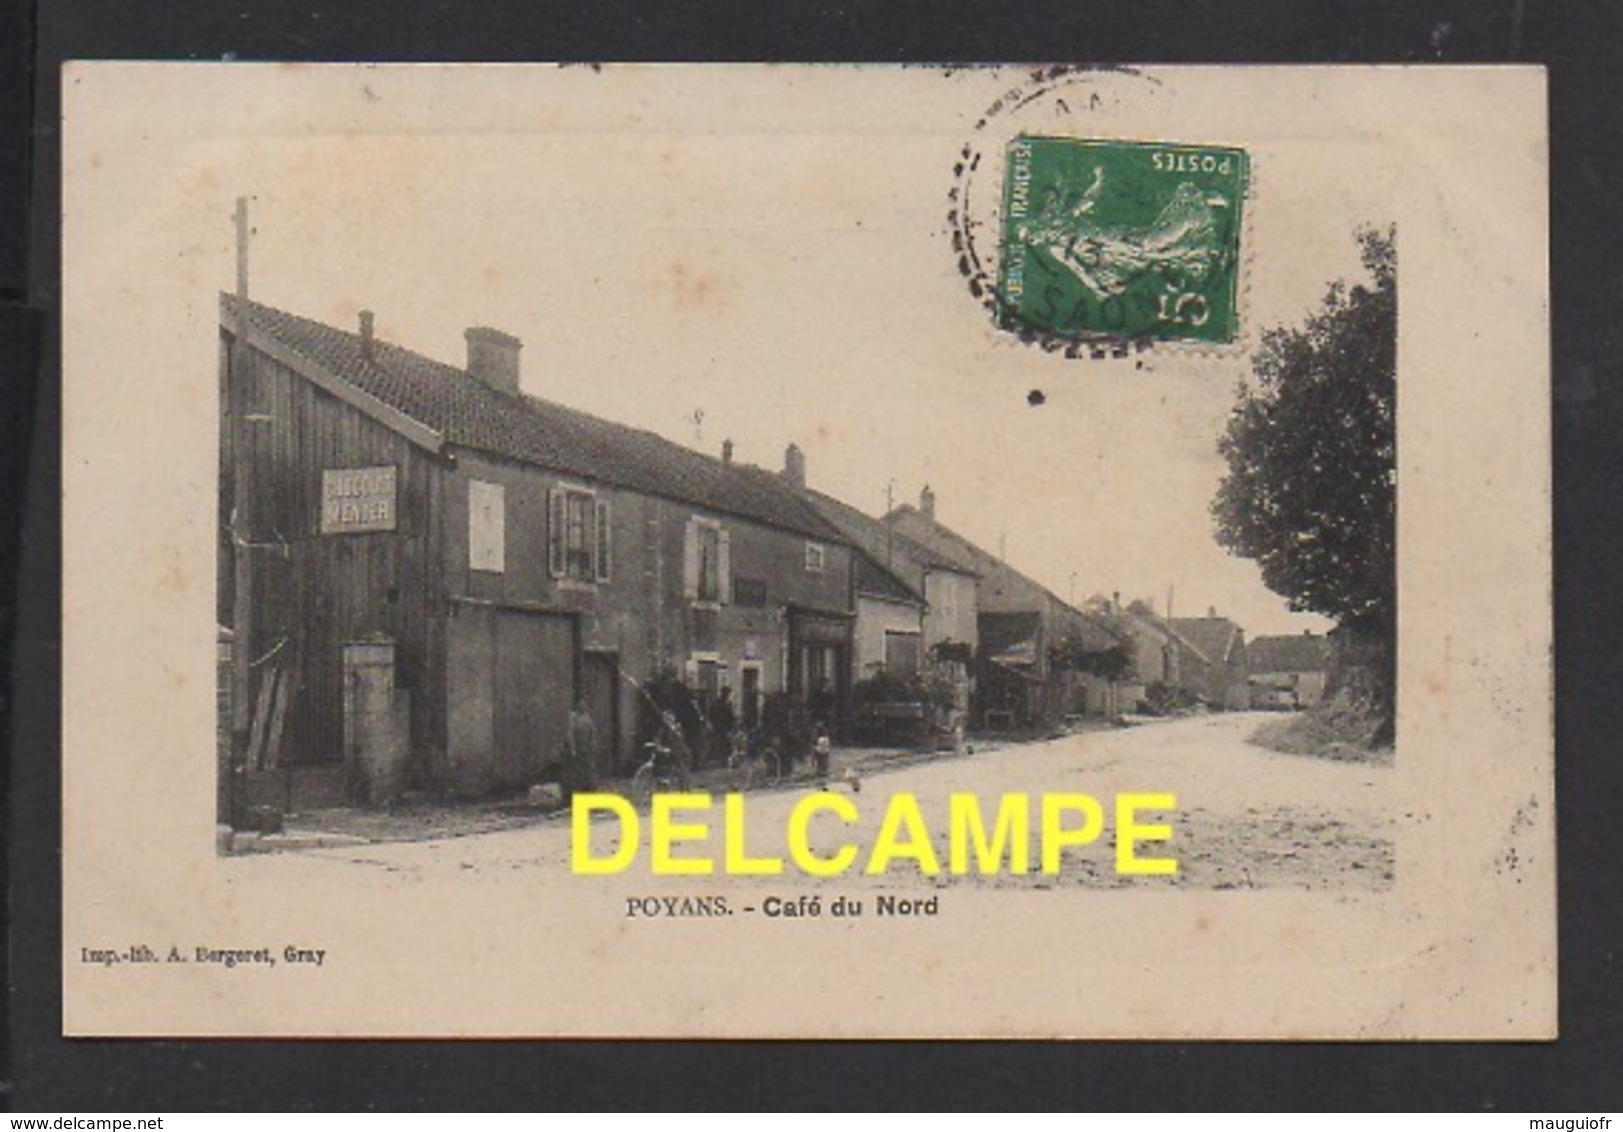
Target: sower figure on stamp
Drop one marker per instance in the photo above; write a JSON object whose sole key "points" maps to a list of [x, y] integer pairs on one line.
{"points": [[581, 770]]}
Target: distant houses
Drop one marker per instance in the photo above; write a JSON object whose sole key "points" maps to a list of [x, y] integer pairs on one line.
{"points": [[1212, 661], [895, 572], [1289, 671], [1040, 659], [1154, 650]]}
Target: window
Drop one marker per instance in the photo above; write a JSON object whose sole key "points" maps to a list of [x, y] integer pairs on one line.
{"points": [[749, 592], [706, 574], [814, 557], [707, 677], [578, 535], [821, 665], [709, 564], [486, 526], [901, 654], [578, 544]]}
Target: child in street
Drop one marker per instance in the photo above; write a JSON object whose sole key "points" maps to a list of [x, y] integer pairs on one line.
{"points": [[821, 748]]}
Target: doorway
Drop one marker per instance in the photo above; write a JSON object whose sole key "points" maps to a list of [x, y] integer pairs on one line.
{"points": [[749, 695], [600, 684]]}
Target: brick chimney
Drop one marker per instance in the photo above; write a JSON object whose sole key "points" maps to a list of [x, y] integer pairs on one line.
{"points": [[366, 335], [727, 451], [927, 503], [493, 357], [794, 466]]}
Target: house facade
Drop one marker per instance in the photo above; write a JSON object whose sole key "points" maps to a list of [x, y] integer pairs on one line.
{"points": [[1028, 641], [1288, 671], [1152, 646], [437, 566], [1211, 661], [889, 629], [916, 610]]}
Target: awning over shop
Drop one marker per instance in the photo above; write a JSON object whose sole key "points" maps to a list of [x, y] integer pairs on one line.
{"points": [[1023, 669], [819, 627], [1021, 653]]}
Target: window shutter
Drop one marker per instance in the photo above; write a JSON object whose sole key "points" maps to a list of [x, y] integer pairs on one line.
{"points": [[724, 567], [555, 532], [690, 561], [605, 541], [486, 531]]}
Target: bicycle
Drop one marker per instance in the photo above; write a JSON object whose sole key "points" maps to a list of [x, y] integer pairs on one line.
{"points": [[663, 773], [754, 760]]}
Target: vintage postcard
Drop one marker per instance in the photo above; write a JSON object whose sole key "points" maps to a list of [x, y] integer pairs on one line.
{"points": [[807, 551]]}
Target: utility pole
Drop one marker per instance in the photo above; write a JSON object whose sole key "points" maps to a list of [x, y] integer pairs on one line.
{"points": [[241, 504], [890, 528]]}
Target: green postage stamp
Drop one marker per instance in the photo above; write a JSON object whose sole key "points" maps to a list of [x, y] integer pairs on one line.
{"points": [[1124, 240]]}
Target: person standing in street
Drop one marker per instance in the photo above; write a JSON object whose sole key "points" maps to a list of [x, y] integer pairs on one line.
{"points": [[722, 721], [582, 768]]}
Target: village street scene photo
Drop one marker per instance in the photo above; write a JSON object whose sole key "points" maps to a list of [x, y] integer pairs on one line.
{"points": [[448, 604]]}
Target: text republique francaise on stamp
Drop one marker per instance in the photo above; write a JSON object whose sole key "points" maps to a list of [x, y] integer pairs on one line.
{"points": [[1121, 239]]}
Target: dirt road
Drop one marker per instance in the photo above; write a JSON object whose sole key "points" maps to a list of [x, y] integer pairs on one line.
{"points": [[1245, 818]]}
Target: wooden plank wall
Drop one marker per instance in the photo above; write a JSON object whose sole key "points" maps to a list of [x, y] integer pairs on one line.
{"points": [[314, 592]]}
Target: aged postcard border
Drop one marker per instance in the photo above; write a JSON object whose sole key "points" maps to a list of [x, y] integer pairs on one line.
{"points": [[927, 1027], [1310, 1072]]}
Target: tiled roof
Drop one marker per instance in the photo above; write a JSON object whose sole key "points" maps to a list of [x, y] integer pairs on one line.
{"points": [[946, 544], [891, 560], [1209, 636], [1095, 634], [883, 542], [1302, 653], [470, 414], [1001, 588], [873, 580], [1139, 623]]}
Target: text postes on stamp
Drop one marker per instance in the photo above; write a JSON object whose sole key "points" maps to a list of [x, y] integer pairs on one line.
{"points": [[1122, 240]]}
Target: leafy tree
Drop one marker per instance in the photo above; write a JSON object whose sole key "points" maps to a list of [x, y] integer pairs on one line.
{"points": [[1311, 449]]}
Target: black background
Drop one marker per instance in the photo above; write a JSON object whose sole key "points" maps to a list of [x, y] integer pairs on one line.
{"points": [[1578, 42]]}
